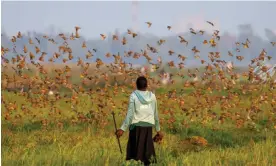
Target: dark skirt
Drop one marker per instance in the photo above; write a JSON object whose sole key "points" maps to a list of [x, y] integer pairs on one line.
{"points": [[140, 145]]}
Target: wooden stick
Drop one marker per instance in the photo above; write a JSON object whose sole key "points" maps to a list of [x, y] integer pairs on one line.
{"points": [[116, 130]]}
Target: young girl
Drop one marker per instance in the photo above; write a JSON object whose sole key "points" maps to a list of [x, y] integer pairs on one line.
{"points": [[142, 115]]}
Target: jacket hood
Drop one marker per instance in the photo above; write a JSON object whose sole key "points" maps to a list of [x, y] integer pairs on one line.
{"points": [[145, 97]]}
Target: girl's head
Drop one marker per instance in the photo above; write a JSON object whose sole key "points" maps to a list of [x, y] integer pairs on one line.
{"points": [[141, 83]]}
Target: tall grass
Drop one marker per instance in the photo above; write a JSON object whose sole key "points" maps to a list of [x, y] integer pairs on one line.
{"points": [[86, 146]]}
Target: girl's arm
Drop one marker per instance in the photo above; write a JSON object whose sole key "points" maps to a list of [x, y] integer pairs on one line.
{"points": [[130, 114]]}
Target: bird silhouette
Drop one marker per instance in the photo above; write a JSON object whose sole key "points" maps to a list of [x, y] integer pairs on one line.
{"points": [[210, 23]]}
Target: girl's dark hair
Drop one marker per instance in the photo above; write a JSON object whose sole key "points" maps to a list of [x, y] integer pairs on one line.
{"points": [[141, 83]]}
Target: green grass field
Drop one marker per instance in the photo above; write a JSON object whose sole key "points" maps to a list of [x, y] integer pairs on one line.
{"points": [[41, 134], [83, 146]]}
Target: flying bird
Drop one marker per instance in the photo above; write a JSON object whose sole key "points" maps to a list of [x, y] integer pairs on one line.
{"points": [[19, 35], [134, 35], [245, 45], [115, 37], [161, 41], [37, 40], [182, 40], [124, 41], [205, 42], [170, 52], [149, 24], [129, 32], [229, 53], [83, 45], [77, 33], [30, 41], [25, 49], [193, 32], [103, 36], [195, 50], [210, 23], [201, 32]]}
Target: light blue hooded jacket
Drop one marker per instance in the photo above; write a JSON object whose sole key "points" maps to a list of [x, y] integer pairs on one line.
{"points": [[142, 111]]}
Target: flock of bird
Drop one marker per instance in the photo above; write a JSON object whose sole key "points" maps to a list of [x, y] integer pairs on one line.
{"points": [[217, 76]]}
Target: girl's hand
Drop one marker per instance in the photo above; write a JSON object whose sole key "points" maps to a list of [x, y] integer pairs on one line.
{"points": [[119, 133], [158, 137]]}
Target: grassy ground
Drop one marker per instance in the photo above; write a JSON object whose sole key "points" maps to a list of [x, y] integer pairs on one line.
{"points": [[28, 141], [83, 145], [79, 129]]}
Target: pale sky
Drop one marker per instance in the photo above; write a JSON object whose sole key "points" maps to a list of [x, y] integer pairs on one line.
{"points": [[102, 17]]}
